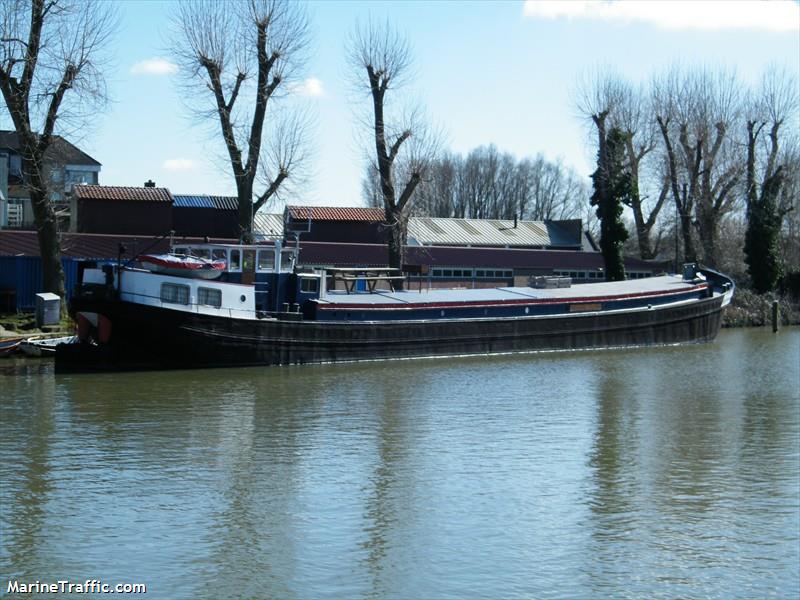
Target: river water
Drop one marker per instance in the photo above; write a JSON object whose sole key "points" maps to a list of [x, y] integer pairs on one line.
{"points": [[656, 473]]}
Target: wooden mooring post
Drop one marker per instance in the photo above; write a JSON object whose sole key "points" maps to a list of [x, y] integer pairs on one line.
{"points": [[775, 316]]}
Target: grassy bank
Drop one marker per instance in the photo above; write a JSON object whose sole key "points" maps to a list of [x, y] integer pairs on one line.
{"points": [[24, 323], [748, 309]]}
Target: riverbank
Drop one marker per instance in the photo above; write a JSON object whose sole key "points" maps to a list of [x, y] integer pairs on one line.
{"points": [[24, 323], [748, 309]]}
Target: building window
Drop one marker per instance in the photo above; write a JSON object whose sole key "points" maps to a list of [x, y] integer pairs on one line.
{"points": [[209, 297], [175, 293], [309, 285]]}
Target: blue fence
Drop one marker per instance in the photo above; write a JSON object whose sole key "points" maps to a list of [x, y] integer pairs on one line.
{"points": [[23, 276]]}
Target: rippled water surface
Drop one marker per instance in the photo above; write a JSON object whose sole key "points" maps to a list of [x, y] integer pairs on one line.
{"points": [[658, 473]]}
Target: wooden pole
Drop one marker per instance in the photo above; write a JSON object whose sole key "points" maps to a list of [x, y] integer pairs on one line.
{"points": [[775, 316]]}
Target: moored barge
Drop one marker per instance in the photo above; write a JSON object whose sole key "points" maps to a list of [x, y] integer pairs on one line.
{"points": [[262, 310]]}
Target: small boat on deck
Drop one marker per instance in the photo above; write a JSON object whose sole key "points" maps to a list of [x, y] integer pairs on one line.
{"points": [[9, 345], [181, 265], [263, 310], [43, 347]]}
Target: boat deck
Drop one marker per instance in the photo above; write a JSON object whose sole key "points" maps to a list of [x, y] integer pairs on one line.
{"points": [[666, 283]]}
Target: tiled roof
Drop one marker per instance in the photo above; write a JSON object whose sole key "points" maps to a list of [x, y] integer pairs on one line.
{"points": [[113, 192], [336, 213], [60, 150]]}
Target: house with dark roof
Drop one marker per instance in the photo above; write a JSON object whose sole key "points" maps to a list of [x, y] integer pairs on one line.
{"points": [[66, 165]]}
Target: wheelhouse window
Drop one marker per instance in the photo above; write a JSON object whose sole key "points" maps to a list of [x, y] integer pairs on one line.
{"points": [[266, 260], [174, 293], [249, 260], [235, 263], [287, 260], [309, 285], [209, 297]]}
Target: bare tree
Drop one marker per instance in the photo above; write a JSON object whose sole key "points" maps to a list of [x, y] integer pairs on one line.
{"points": [[628, 110], [696, 112], [241, 56], [489, 184], [404, 146], [50, 78]]}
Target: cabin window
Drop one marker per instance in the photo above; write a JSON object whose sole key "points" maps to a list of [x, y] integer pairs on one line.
{"points": [[447, 273], [181, 250], [219, 254], [309, 285], [266, 260], [209, 297], [479, 273], [202, 253], [235, 263], [175, 293], [249, 260], [287, 260]]}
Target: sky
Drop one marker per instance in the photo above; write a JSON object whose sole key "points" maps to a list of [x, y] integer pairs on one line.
{"points": [[502, 73]]}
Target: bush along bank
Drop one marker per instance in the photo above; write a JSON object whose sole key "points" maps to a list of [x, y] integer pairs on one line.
{"points": [[748, 309]]}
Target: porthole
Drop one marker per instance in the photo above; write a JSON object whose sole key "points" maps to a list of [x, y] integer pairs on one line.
{"points": [[527, 310], [242, 298], [441, 313]]}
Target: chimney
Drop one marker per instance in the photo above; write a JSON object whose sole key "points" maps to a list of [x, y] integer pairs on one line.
{"points": [[150, 183]]}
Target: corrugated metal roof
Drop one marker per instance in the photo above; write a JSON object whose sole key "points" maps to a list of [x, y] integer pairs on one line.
{"points": [[184, 201], [430, 231], [268, 225], [113, 192], [336, 213], [206, 201], [225, 202]]}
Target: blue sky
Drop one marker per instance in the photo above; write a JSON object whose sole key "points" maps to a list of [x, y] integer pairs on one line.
{"points": [[487, 72]]}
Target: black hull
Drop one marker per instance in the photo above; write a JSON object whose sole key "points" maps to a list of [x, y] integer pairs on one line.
{"points": [[153, 338]]}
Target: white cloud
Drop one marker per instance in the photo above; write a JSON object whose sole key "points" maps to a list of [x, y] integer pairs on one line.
{"points": [[178, 164], [774, 15], [310, 87], [154, 66]]}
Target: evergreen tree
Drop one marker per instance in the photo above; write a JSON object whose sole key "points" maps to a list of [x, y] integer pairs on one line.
{"points": [[612, 187], [761, 241]]}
